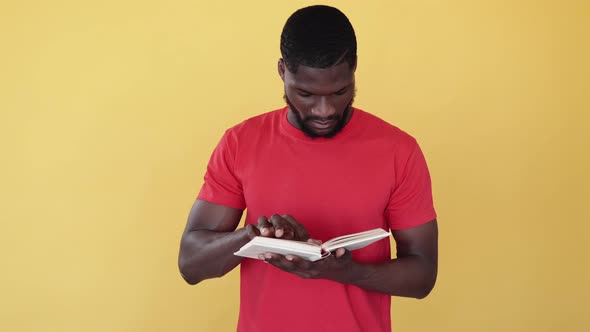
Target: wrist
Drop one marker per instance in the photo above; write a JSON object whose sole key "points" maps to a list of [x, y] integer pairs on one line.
{"points": [[355, 273]]}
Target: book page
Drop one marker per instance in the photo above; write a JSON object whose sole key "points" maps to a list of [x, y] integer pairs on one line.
{"points": [[260, 245], [356, 241], [353, 237]]}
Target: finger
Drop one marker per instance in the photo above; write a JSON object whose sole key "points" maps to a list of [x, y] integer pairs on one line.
{"points": [[281, 262], [299, 263], [304, 275], [303, 268], [343, 255], [282, 227], [340, 252], [252, 231], [314, 241], [265, 227], [262, 258], [292, 264], [300, 231]]}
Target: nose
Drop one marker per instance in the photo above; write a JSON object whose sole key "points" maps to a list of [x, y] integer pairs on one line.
{"points": [[324, 108]]}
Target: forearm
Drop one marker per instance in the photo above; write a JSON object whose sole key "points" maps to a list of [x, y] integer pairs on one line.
{"points": [[208, 254], [410, 276]]}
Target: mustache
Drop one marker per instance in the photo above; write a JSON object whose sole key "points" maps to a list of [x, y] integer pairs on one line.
{"points": [[315, 117]]}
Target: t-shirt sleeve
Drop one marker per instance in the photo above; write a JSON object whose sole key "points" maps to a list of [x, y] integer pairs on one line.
{"points": [[410, 203], [222, 185]]}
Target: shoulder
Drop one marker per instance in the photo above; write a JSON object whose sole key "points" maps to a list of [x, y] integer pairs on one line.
{"points": [[250, 133], [257, 124], [373, 127]]}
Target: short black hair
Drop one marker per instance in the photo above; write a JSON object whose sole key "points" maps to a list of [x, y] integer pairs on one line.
{"points": [[318, 37]]}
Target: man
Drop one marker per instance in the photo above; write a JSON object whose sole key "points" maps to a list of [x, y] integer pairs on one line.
{"points": [[316, 169]]}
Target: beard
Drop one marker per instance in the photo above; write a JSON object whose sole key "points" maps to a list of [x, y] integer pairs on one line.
{"points": [[341, 118]]}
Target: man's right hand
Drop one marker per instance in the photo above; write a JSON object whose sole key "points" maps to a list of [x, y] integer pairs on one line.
{"points": [[282, 227]]}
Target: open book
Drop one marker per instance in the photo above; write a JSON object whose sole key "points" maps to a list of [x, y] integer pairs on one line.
{"points": [[310, 251]]}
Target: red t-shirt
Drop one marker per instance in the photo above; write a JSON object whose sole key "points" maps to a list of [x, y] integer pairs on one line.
{"points": [[369, 175]]}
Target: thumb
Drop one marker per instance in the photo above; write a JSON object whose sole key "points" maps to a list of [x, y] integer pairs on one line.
{"points": [[252, 231], [314, 241], [341, 252]]}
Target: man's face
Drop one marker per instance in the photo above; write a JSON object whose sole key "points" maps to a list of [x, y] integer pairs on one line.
{"points": [[319, 99]]}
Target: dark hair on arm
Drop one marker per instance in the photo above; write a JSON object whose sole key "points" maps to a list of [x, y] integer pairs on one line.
{"points": [[318, 37]]}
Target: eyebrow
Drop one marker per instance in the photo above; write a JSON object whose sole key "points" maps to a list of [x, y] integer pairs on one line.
{"points": [[311, 93]]}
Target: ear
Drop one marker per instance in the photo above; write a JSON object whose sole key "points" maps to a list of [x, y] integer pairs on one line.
{"points": [[281, 69]]}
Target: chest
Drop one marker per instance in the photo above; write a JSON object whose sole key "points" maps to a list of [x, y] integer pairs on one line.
{"points": [[331, 189]]}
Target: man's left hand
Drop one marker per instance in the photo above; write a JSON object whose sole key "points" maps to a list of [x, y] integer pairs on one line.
{"points": [[337, 267]]}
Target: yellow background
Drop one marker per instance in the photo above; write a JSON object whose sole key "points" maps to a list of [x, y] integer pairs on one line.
{"points": [[110, 110]]}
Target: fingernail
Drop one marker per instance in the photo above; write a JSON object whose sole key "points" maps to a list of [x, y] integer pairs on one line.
{"points": [[289, 257], [264, 231], [279, 233], [261, 257], [267, 255]]}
